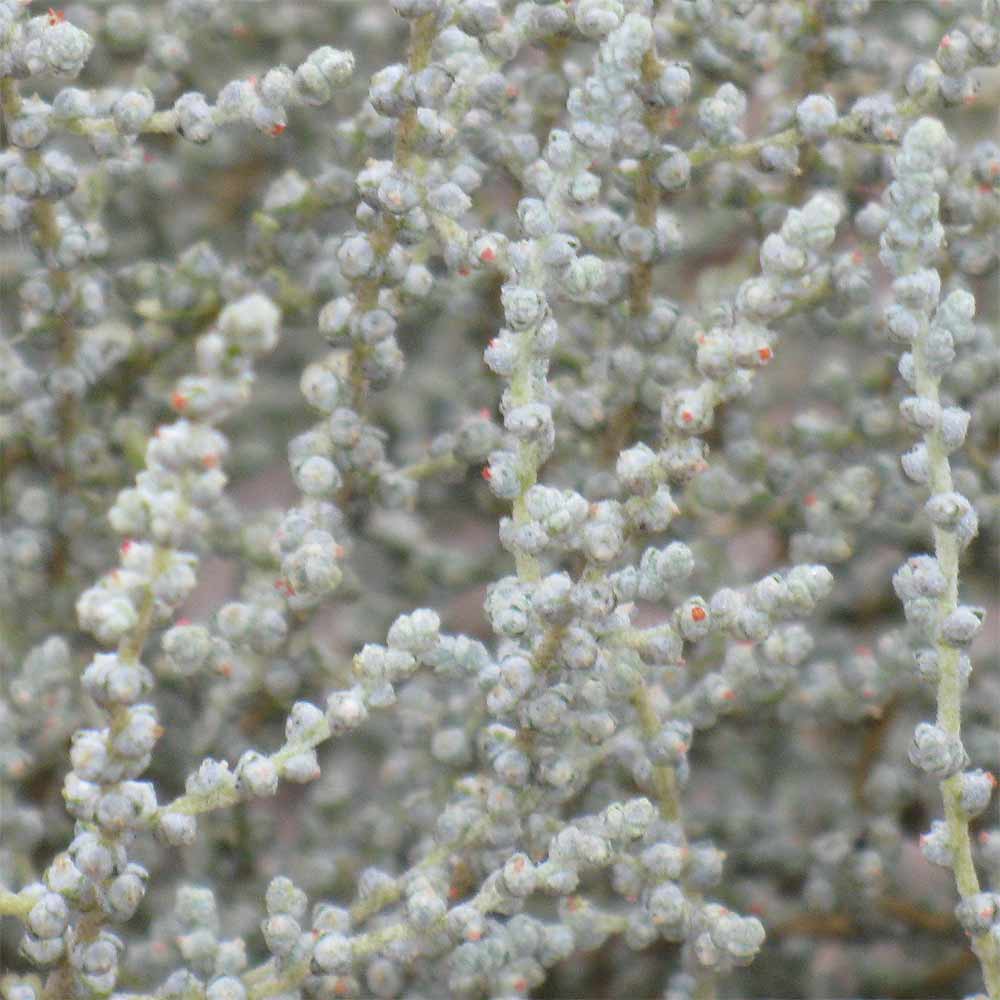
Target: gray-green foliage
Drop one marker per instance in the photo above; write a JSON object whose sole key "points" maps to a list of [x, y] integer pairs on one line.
{"points": [[498, 497]]}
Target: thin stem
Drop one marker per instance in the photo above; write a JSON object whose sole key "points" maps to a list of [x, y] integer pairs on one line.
{"points": [[949, 691]]}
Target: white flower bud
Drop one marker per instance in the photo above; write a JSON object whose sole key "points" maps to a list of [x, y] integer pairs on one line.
{"points": [[816, 115]]}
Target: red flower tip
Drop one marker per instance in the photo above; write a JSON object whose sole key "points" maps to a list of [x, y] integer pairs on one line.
{"points": [[487, 473], [277, 129], [463, 271], [698, 614], [179, 401], [485, 413], [55, 17], [809, 499], [125, 546], [765, 354], [687, 416], [488, 255]]}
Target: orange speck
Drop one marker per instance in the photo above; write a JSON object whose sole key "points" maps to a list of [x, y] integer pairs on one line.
{"points": [[55, 17], [226, 669], [277, 129], [178, 401], [183, 621], [284, 586], [687, 416], [453, 892], [994, 170], [858, 257], [946, 42], [701, 338], [487, 473], [991, 778], [698, 614], [342, 987], [125, 546], [728, 695], [210, 461], [339, 551], [520, 984], [969, 100], [765, 354], [488, 255], [485, 413], [809, 499], [512, 91]]}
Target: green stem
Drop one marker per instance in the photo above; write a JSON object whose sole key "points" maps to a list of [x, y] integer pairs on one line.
{"points": [[949, 692]]}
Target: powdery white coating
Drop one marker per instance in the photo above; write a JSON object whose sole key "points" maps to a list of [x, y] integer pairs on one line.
{"points": [[491, 431]]}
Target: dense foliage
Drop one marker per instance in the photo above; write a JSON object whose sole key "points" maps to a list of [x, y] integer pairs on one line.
{"points": [[499, 499]]}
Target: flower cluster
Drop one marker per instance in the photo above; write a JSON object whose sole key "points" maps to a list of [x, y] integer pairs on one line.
{"points": [[499, 499]]}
